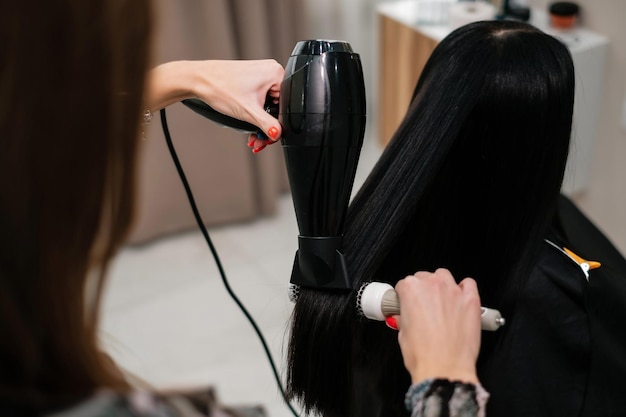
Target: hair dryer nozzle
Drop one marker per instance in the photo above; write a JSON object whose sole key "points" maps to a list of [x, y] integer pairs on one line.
{"points": [[319, 263]]}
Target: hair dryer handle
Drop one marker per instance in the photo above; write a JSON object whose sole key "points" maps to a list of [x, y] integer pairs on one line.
{"points": [[210, 113]]}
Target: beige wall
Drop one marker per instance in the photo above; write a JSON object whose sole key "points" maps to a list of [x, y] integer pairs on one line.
{"points": [[605, 200]]}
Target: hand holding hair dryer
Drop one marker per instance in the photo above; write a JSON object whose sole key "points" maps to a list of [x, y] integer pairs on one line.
{"points": [[322, 113]]}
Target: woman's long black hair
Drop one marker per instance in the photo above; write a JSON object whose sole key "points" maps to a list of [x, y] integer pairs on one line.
{"points": [[469, 182]]}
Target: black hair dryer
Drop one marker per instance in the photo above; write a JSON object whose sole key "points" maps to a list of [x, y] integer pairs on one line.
{"points": [[322, 113]]}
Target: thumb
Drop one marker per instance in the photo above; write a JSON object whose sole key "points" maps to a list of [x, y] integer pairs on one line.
{"points": [[268, 124]]}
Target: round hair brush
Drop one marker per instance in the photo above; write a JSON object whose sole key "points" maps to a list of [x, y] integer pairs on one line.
{"points": [[377, 301]]}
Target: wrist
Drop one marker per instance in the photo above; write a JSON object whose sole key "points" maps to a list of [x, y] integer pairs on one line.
{"points": [[172, 82], [198, 79], [451, 373]]}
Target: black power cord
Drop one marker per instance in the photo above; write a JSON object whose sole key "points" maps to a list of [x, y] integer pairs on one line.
{"points": [[205, 233]]}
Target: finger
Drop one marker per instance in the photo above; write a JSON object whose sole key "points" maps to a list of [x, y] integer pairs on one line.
{"points": [[409, 278], [268, 124], [405, 284], [255, 142], [393, 322], [259, 148], [277, 74], [274, 92], [468, 285], [444, 273], [421, 274], [469, 290]]}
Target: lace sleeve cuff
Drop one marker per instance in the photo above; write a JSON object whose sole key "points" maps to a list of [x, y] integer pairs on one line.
{"points": [[437, 397]]}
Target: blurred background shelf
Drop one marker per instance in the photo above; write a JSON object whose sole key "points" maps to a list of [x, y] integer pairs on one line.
{"points": [[405, 45]]}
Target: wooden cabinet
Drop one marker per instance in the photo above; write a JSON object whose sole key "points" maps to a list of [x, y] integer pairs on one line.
{"points": [[405, 46], [403, 54]]}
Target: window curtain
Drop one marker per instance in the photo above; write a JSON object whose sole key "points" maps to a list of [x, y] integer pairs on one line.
{"points": [[229, 182]]}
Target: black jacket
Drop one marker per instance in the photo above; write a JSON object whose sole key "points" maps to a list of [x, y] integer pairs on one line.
{"points": [[564, 351]]}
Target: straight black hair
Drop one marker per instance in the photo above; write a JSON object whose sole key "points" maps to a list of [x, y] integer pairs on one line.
{"points": [[469, 182]]}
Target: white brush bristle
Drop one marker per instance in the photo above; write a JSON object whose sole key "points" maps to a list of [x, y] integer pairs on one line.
{"points": [[293, 292], [371, 300]]}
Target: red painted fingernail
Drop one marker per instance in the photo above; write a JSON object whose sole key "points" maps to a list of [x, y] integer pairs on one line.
{"points": [[259, 149], [251, 143], [272, 132], [391, 323]]}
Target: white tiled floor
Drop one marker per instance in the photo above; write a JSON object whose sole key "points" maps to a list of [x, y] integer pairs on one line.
{"points": [[168, 319]]}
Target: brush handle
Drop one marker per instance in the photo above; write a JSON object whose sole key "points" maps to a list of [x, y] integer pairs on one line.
{"points": [[379, 300]]}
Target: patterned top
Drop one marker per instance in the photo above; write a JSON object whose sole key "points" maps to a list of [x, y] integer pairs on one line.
{"points": [[442, 397], [429, 398], [145, 404], [111, 404]]}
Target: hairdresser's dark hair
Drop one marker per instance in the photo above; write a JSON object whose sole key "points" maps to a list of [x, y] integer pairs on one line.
{"points": [[469, 182], [71, 92]]}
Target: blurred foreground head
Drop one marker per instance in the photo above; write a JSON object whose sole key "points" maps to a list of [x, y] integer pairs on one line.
{"points": [[71, 88]]}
